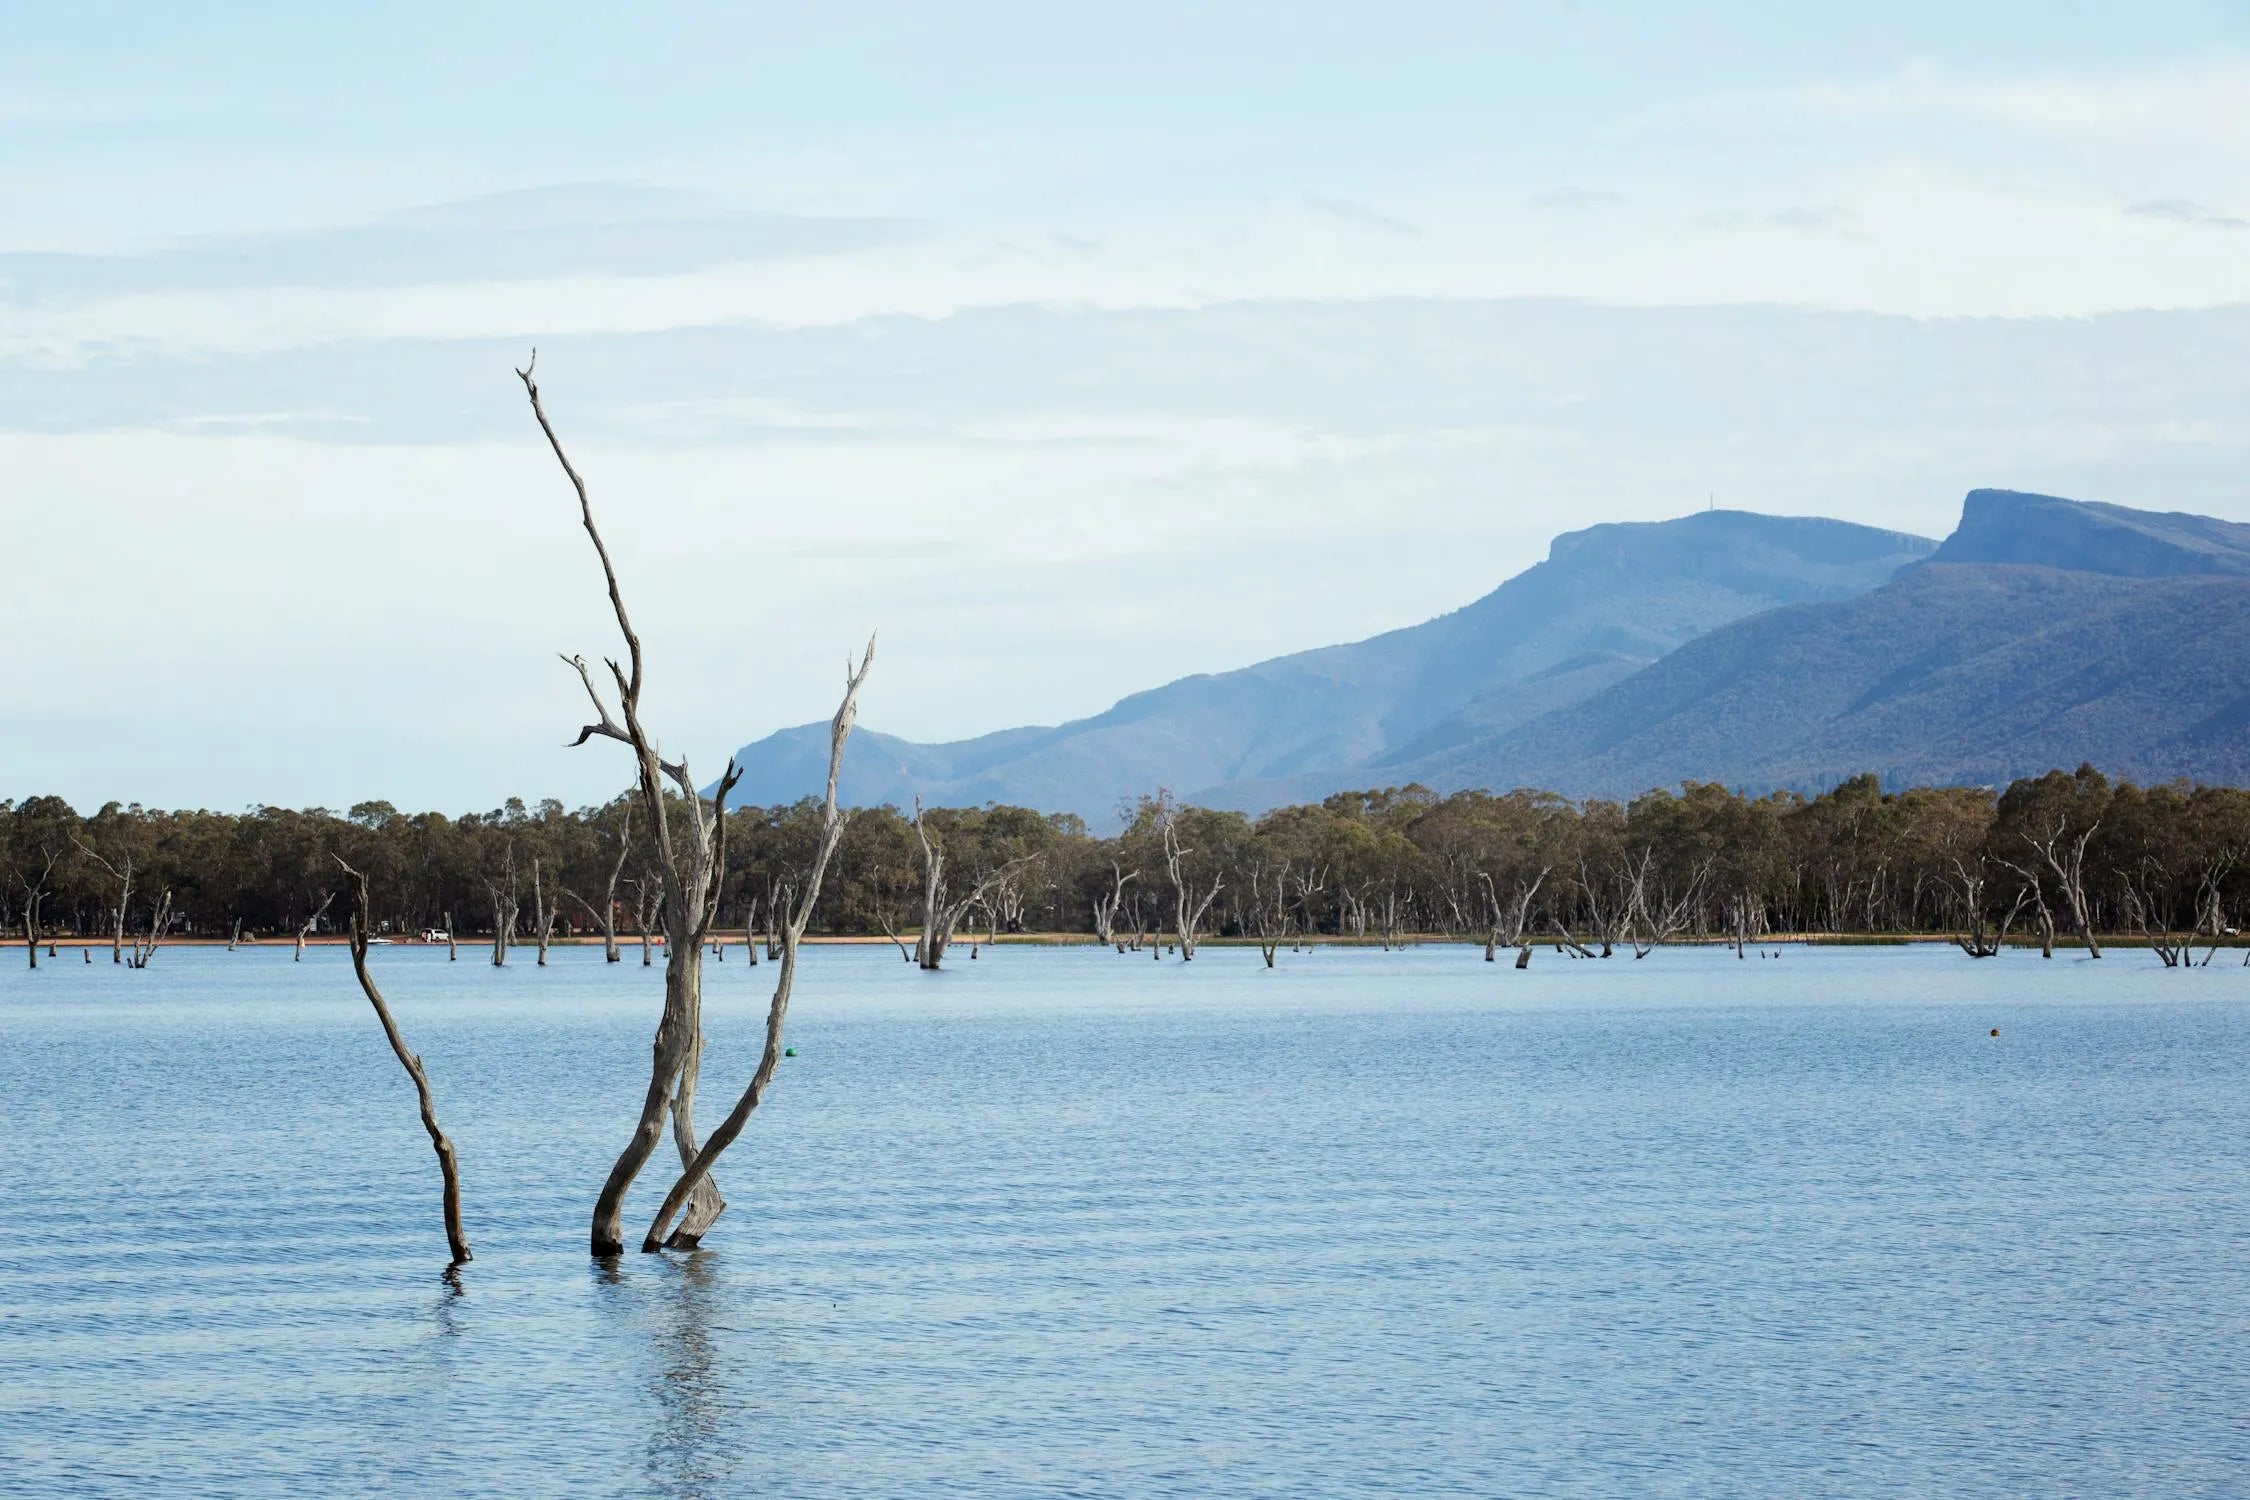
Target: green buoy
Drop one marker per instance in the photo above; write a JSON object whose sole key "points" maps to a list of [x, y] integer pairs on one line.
{"points": [[788, 1052]]}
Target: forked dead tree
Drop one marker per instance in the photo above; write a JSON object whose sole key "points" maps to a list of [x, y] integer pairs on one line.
{"points": [[1190, 901], [1508, 918], [122, 873], [801, 904], [159, 923], [1267, 914], [448, 1168], [2034, 894], [1657, 913], [1107, 907], [501, 890], [1978, 941], [688, 847], [2065, 855], [941, 910]]}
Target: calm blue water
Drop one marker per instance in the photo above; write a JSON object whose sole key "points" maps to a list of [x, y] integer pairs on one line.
{"points": [[1060, 1222]]}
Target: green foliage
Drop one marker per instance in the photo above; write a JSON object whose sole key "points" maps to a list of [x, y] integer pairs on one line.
{"points": [[1374, 865]]}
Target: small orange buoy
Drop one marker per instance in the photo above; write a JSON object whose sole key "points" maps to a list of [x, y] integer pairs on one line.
{"points": [[1995, 1031]]}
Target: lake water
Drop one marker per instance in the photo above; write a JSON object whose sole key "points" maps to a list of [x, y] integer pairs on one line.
{"points": [[1061, 1222]]}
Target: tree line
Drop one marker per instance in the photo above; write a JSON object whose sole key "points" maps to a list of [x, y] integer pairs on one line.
{"points": [[2067, 855]]}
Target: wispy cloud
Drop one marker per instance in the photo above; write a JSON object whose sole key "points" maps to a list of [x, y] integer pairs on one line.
{"points": [[2185, 211], [552, 230], [1800, 218], [1576, 197], [1357, 213]]}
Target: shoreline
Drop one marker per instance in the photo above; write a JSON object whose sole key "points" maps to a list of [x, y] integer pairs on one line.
{"points": [[1088, 940]]}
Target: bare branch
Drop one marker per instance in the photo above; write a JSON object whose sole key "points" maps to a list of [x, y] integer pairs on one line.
{"points": [[442, 1144]]}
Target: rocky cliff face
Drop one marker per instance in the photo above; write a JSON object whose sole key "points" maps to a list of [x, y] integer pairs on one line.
{"points": [[2010, 526]]}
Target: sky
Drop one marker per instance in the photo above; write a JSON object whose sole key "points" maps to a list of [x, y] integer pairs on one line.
{"points": [[1072, 348]]}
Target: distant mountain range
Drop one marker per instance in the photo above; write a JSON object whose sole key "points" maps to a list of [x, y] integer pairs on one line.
{"points": [[1759, 651]]}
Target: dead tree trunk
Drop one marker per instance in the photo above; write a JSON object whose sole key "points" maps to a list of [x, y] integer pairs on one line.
{"points": [[123, 875], [541, 913], [1509, 922], [609, 893], [448, 1169], [159, 922], [506, 901], [1106, 907], [310, 922], [691, 860], [1188, 908], [696, 1173], [2066, 857], [647, 899], [779, 894], [884, 920]]}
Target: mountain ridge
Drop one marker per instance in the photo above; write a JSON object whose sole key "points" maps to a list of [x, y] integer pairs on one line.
{"points": [[1607, 600]]}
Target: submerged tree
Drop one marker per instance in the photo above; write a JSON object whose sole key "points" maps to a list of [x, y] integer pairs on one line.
{"points": [[687, 842], [806, 895], [448, 1168]]}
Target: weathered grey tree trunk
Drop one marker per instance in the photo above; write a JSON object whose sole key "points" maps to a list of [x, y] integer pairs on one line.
{"points": [[2067, 858], [124, 878], [159, 922], [647, 901], [506, 901], [689, 863], [695, 1175], [609, 896], [541, 913], [941, 912], [1187, 908], [1107, 907], [448, 1168]]}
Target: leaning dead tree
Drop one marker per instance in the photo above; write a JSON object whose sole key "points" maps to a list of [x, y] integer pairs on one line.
{"points": [[805, 895], [309, 924], [448, 1168], [687, 847]]}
